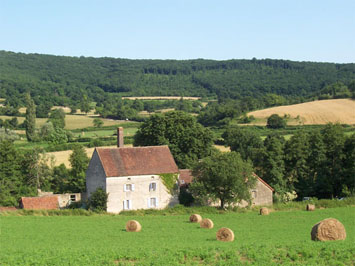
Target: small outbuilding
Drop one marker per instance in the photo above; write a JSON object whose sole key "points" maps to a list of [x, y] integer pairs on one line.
{"points": [[39, 203], [262, 193]]}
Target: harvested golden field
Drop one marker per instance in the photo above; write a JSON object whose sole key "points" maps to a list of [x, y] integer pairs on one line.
{"points": [[222, 148], [63, 156], [161, 98], [318, 112], [71, 121]]}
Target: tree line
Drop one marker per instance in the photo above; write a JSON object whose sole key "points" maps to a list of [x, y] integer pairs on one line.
{"points": [[317, 163], [314, 163], [68, 81]]}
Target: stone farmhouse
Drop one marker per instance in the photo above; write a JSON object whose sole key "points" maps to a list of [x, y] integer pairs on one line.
{"points": [[261, 194], [132, 176]]}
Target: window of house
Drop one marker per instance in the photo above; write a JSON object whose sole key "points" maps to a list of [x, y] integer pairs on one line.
{"points": [[153, 186], [152, 202], [73, 197], [127, 204], [128, 187], [253, 194]]}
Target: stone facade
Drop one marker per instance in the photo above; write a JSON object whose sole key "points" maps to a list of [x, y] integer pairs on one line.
{"points": [[261, 194], [95, 175], [135, 191]]}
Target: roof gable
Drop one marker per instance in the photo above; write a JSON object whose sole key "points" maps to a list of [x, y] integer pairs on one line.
{"points": [[132, 161]]}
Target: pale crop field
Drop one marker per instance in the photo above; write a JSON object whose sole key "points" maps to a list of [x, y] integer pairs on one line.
{"points": [[71, 121], [161, 98], [63, 156], [318, 112], [281, 238]]}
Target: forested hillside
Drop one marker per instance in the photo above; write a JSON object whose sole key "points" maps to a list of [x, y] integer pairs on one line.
{"points": [[62, 80]]}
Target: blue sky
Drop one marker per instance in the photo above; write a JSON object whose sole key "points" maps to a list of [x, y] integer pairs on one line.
{"points": [[301, 30]]}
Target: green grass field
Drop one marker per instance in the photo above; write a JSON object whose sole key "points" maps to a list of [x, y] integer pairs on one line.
{"points": [[281, 238]]}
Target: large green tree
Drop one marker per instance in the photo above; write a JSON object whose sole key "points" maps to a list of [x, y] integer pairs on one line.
{"points": [[30, 121], [223, 176], [57, 117], [330, 179], [188, 140], [10, 174], [272, 168], [296, 168], [349, 165], [244, 141], [79, 162], [275, 121]]}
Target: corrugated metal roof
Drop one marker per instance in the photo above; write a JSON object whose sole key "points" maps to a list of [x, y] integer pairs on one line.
{"points": [[132, 161]]}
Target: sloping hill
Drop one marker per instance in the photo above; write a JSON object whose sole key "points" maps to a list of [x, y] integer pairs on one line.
{"points": [[61, 79], [317, 112]]}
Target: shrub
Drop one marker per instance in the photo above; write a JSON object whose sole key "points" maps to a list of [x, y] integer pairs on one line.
{"points": [[185, 197], [98, 200], [275, 121]]}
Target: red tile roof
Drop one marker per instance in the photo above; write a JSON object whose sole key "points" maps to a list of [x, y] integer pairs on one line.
{"points": [[39, 203], [131, 161], [185, 176]]}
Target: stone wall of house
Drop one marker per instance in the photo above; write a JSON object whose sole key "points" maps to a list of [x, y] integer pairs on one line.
{"points": [[139, 194], [262, 194], [95, 175], [66, 199]]}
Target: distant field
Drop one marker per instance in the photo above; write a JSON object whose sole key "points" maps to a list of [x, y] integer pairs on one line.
{"points": [[71, 121], [63, 156], [162, 98], [282, 238], [317, 112]]}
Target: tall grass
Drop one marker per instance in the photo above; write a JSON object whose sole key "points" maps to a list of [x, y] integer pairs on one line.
{"points": [[182, 210]]}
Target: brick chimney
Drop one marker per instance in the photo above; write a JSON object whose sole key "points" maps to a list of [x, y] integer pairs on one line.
{"points": [[120, 143]]}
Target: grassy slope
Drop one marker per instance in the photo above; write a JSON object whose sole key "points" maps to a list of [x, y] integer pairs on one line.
{"points": [[282, 237], [317, 112]]}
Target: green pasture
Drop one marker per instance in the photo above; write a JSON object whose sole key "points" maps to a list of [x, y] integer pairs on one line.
{"points": [[105, 132], [281, 238]]}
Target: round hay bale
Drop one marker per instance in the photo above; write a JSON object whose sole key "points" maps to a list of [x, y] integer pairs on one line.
{"points": [[310, 207], [133, 226], [195, 218], [328, 229], [264, 211], [206, 223], [225, 234]]}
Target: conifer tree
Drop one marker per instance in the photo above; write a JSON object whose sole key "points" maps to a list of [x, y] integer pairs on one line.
{"points": [[30, 122]]}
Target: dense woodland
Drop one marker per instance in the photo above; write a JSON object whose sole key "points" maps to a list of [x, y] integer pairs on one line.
{"points": [[62, 80], [315, 162]]}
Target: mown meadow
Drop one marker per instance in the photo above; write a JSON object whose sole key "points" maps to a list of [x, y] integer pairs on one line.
{"points": [[283, 237]]}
